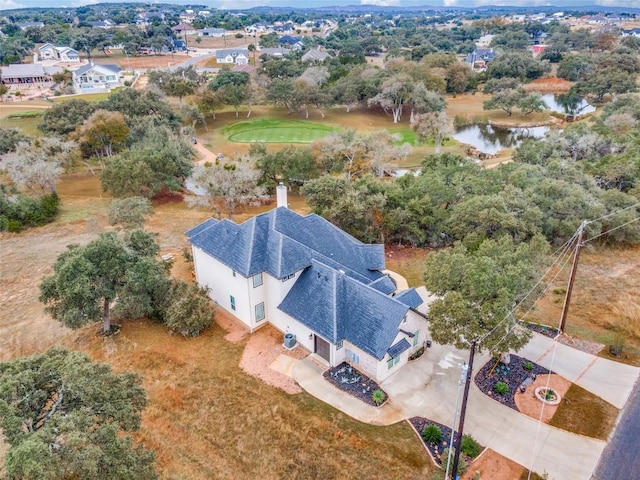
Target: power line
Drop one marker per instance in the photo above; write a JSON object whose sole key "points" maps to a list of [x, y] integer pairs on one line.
{"points": [[563, 249], [542, 293], [613, 213], [612, 229]]}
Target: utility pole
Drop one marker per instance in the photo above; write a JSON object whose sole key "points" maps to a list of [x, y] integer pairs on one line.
{"points": [[463, 411], [572, 277], [461, 381]]}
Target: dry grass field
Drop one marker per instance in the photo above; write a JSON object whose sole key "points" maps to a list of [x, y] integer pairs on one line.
{"points": [[605, 300], [206, 418]]}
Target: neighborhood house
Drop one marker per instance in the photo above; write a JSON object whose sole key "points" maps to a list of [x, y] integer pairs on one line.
{"points": [[239, 56], [310, 279], [49, 52], [96, 78]]}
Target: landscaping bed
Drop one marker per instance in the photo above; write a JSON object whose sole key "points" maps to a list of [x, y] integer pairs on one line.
{"points": [[435, 449], [511, 375], [356, 383], [437, 437], [545, 330]]}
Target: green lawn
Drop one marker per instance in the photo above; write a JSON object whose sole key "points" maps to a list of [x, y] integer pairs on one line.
{"points": [[20, 118], [88, 97], [271, 130]]}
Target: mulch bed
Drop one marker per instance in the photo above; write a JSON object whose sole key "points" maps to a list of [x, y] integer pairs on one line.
{"points": [[513, 375], [435, 450], [354, 382], [545, 330]]}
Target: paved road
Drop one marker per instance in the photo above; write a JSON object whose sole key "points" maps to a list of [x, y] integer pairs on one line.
{"points": [[621, 457]]}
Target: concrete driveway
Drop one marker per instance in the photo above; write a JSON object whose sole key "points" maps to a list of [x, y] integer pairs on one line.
{"points": [[427, 387], [612, 381]]}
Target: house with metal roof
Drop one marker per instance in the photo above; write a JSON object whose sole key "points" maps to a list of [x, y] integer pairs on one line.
{"points": [[313, 281], [94, 77], [212, 32], [27, 74], [480, 58]]}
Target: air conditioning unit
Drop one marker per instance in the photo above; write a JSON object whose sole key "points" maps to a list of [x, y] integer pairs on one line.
{"points": [[289, 340]]}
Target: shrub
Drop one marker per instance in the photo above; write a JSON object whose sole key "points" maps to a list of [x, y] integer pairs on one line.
{"points": [[549, 394], [528, 366], [239, 35], [378, 396], [469, 446], [432, 434], [190, 310], [501, 388], [462, 464]]}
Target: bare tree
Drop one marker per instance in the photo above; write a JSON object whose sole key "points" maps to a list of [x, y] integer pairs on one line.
{"points": [[435, 125], [37, 166], [227, 186]]}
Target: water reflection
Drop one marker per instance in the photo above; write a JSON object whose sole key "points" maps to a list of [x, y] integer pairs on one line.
{"points": [[490, 139], [573, 106]]}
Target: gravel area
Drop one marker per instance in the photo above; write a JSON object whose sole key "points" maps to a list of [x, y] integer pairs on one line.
{"points": [[354, 382], [586, 346], [512, 374]]}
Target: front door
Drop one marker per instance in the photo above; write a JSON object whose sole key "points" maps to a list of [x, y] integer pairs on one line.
{"points": [[322, 348]]}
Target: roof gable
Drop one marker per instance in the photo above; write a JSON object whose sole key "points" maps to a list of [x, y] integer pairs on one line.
{"points": [[339, 307]]}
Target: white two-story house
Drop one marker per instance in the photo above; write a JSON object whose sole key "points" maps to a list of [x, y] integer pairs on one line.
{"points": [[93, 77], [307, 277]]}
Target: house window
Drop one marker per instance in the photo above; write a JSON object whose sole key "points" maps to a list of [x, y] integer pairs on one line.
{"points": [[257, 280], [233, 272], [339, 345], [232, 299], [392, 361], [260, 312], [352, 357], [416, 335]]}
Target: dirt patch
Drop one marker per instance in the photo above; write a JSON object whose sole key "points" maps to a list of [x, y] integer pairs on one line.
{"points": [[261, 350], [528, 404], [494, 466]]}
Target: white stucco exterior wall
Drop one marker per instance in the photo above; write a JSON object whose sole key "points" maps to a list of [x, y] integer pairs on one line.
{"points": [[222, 284]]}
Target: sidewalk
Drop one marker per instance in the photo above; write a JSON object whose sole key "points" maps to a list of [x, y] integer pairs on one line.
{"points": [[309, 376], [607, 379]]}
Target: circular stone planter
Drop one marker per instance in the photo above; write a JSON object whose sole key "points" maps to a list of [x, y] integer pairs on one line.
{"points": [[541, 394]]}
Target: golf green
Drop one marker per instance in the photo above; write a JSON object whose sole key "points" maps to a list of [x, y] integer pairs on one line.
{"points": [[277, 131]]}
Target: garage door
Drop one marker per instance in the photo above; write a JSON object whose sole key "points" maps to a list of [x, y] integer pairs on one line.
{"points": [[322, 348]]}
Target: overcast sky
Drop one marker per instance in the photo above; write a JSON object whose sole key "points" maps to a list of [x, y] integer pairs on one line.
{"points": [[8, 4]]}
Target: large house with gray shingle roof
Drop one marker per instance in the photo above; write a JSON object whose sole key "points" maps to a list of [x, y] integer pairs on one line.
{"points": [[307, 277]]}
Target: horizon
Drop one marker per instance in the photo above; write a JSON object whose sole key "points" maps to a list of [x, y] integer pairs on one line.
{"points": [[7, 5]]}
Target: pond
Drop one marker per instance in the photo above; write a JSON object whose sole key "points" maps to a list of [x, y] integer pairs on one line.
{"points": [[490, 139], [581, 106]]}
